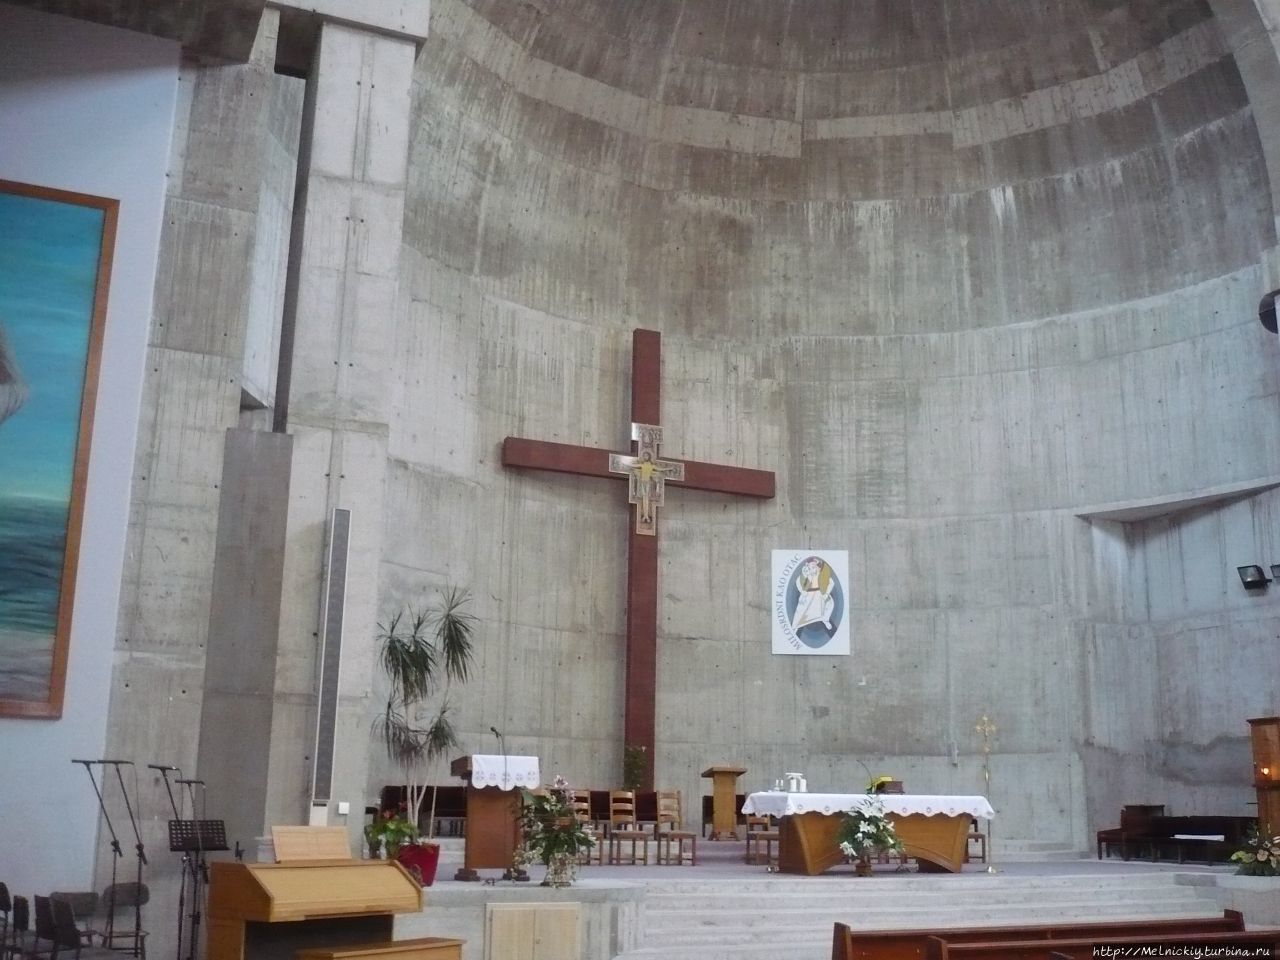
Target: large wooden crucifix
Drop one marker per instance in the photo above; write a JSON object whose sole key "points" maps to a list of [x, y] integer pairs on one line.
{"points": [[647, 476]]}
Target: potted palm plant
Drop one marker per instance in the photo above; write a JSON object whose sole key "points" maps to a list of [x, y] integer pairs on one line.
{"points": [[423, 652]]}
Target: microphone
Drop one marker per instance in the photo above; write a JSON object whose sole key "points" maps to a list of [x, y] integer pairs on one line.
{"points": [[494, 731], [85, 762], [201, 782], [117, 763], [161, 766]]}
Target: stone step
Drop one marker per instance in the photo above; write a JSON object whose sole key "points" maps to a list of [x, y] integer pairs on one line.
{"points": [[817, 924], [668, 908], [790, 918]]}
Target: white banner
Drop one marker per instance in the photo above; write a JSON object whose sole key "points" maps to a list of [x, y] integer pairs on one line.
{"points": [[809, 600]]}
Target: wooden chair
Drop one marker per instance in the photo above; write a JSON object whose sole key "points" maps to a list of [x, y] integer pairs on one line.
{"points": [[622, 809], [761, 839], [978, 837], [672, 841], [623, 829], [582, 812]]}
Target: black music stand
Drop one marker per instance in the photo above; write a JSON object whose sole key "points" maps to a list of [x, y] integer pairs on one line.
{"points": [[196, 837]]}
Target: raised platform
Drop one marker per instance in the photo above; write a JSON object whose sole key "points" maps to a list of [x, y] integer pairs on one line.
{"points": [[725, 908]]}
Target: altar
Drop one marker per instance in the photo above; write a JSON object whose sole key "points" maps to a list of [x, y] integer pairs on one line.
{"points": [[933, 829]]}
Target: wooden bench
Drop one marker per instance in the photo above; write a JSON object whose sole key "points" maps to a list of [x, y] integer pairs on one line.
{"points": [[1083, 948], [906, 944], [422, 948]]}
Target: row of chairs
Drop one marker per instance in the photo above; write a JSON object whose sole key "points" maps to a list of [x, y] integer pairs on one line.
{"points": [[57, 931], [623, 841]]}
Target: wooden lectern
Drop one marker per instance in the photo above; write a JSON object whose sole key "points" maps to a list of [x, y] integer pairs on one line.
{"points": [[724, 818], [1264, 735], [493, 823]]}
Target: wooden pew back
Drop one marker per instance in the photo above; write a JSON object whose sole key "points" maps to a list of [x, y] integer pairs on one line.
{"points": [[912, 944], [1083, 948]]}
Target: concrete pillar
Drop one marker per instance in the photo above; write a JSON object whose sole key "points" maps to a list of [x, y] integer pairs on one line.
{"points": [[340, 392]]}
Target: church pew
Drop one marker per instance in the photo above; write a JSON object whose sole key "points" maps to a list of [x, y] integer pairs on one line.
{"points": [[895, 944], [1084, 948]]}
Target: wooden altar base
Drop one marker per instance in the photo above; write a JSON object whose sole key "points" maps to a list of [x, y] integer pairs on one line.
{"points": [[807, 842]]}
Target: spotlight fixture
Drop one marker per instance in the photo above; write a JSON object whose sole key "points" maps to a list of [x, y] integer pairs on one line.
{"points": [[1253, 577], [1267, 311]]}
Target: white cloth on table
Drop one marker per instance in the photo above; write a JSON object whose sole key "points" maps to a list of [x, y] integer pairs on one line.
{"points": [[781, 804], [505, 772]]}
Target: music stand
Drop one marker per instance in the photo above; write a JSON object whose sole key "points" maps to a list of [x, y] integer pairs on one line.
{"points": [[196, 837]]}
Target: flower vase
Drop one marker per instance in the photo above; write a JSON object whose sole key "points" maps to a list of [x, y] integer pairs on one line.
{"points": [[863, 869], [421, 860], [560, 871]]}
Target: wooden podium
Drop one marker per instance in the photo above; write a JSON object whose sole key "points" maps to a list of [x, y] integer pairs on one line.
{"points": [[724, 818], [493, 822]]}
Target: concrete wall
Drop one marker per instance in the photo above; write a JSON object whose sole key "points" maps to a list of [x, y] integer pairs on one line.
{"points": [[958, 272], [89, 109]]}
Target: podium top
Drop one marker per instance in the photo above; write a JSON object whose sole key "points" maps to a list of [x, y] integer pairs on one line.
{"points": [[735, 771], [496, 770]]}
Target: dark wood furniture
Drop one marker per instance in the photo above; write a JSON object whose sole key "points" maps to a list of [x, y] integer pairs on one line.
{"points": [[1133, 824], [269, 911], [1167, 838], [848, 944], [1264, 738], [493, 825], [1085, 948]]}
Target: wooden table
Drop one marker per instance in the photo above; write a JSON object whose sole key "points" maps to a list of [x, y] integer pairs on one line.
{"points": [[933, 829], [724, 819]]}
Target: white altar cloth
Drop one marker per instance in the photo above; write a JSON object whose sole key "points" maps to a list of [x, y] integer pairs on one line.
{"points": [[778, 803], [505, 772]]}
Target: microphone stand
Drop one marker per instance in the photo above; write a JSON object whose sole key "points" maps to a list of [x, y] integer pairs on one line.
{"points": [[106, 817], [513, 872], [177, 816], [199, 870], [142, 860]]}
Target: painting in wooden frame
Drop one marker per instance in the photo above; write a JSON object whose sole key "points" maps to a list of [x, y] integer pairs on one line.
{"points": [[55, 265]]}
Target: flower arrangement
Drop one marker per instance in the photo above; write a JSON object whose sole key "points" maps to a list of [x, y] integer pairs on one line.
{"points": [[1260, 856], [389, 831], [864, 830], [553, 835]]}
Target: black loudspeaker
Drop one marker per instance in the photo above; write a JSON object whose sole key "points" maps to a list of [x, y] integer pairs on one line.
{"points": [[335, 595], [1267, 310]]}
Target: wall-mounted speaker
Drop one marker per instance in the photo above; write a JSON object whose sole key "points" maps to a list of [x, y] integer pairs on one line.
{"points": [[335, 595]]}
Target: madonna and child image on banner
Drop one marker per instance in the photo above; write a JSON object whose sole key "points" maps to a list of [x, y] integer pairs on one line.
{"points": [[809, 602], [55, 255]]}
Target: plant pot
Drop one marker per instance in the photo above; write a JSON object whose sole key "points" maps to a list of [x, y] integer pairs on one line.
{"points": [[421, 860], [863, 869]]}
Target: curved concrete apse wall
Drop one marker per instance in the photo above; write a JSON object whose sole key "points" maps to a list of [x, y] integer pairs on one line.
{"points": [[959, 272]]}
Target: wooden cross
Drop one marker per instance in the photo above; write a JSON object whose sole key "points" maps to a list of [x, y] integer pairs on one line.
{"points": [[646, 477]]}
